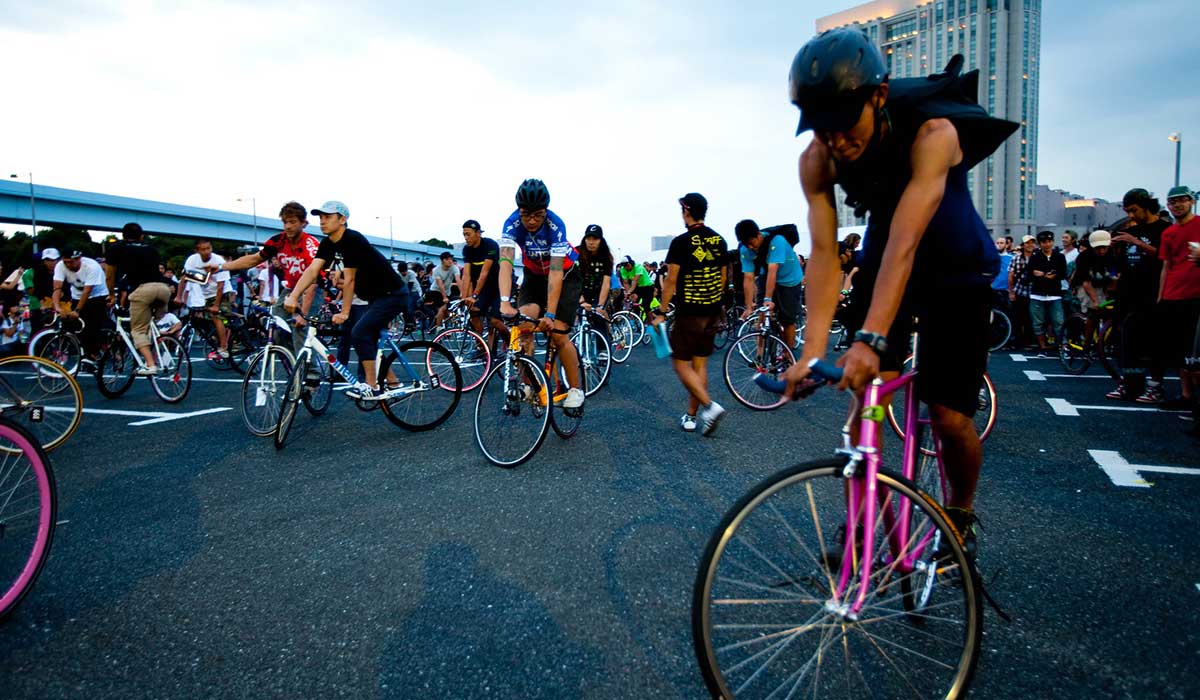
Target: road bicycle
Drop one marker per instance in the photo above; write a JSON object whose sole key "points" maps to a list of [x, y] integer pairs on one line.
{"points": [[594, 351], [265, 380], [630, 314], [521, 400], [59, 342], [762, 350], [729, 326], [837, 329], [424, 393], [469, 349], [120, 360], [41, 397], [839, 577], [1078, 350], [28, 505]]}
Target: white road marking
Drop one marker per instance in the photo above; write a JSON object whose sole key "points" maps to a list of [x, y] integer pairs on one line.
{"points": [[1035, 376], [150, 417], [1018, 357], [1122, 473], [166, 417], [1062, 407]]}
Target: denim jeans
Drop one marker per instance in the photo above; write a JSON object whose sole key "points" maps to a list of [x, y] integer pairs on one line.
{"points": [[374, 320], [1043, 310]]}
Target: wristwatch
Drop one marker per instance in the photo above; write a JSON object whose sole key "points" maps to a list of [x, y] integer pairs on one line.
{"points": [[507, 300], [875, 341]]}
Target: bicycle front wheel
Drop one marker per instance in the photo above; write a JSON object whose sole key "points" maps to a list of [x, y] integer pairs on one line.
{"points": [[291, 401], [27, 513], [750, 356], [595, 359], [430, 383], [771, 618], [511, 420], [1072, 350], [470, 351], [263, 389], [174, 377], [41, 397], [623, 338], [63, 349]]}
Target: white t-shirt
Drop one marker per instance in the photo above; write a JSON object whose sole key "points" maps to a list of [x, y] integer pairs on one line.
{"points": [[90, 273], [166, 321], [268, 285], [197, 293]]}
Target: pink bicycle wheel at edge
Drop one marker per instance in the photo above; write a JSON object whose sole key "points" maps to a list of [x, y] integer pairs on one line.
{"points": [[27, 514]]}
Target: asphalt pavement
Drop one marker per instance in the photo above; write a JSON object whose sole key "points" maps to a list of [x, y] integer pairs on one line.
{"points": [[192, 560]]}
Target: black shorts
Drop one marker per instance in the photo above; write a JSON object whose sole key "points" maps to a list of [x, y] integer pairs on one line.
{"points": [[1176, 320], [692, 336], [486, 305], [787, 304], [535, 287], [954, 328]]}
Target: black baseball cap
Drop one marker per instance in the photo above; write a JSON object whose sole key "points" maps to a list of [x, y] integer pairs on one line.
{"points": [[472, 223], [695, 203], [74, 253], [447, 254], [1045, 236], [594, 230]]}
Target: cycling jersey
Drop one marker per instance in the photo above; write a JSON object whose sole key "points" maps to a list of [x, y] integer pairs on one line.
{"points": [[292, 259], [538, 247]]}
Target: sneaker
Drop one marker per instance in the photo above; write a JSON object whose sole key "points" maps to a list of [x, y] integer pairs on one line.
{"points": [[146, 371], [223, 354], [709, 417], [361, 392], [1152, 394], [688, 423], [1117, 394], [574, 398], [966, 523]]}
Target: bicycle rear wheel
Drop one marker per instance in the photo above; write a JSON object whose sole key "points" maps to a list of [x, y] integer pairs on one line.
{"points": [[511, 420], [318, 386], [432, 384], [564, 421], [999, 330], [41, 397], [63, 349], [768, 619], [986, 411], [623, 338], [27, 513], [174, 378], [750, 356], [114, 372], [470, 351], [1072, 348], [263, 389]]}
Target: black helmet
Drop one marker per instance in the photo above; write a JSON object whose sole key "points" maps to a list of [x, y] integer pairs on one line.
{"points": [[832, 77], [533, 195]]}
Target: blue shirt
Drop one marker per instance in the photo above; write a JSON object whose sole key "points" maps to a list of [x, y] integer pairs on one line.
{"points": [[538, 247], [1001, 281], [789, 274]]}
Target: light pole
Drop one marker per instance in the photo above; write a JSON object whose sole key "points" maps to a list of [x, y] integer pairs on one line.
{"points": [[1177, 137], [32, 212], [391, 237], [254, 213]]}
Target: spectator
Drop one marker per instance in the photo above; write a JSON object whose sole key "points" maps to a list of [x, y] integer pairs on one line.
{"points": [[1019, 283], [1000, 284], [1048, 269], [1178, 301], [1071, 252]]}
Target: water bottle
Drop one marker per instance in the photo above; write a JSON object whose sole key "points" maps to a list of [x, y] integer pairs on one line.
{"points": [[662, 346]]}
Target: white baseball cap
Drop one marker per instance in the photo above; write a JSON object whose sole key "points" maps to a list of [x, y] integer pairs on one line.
{"points": [[51, 254]]}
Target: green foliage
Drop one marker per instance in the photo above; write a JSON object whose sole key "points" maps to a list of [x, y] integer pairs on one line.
{"points": [[436, 243]]}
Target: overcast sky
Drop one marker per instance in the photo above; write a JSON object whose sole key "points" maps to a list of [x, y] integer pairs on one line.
{"points": [[434, 112]]}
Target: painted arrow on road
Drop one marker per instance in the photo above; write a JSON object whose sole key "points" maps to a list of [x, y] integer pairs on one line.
{"points": [[1123, 473]]}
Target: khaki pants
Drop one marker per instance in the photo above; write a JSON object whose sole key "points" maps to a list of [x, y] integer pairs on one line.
{"points": [[140, 316]]}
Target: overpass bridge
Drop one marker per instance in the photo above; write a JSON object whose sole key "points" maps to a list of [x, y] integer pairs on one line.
{"points": [[95, 211]]}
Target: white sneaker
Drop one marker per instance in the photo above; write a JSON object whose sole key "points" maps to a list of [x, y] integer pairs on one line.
{"points": [[146, 371], [223, 354], [361, 392], [688, 423], [709, 416], [574, 398]]}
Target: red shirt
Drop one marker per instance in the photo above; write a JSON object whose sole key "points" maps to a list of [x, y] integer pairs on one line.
{"points": [[1182, 280], [288, 259]]}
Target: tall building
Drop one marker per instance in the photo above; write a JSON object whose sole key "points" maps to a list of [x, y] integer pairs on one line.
{"points": [[1002, 38]]}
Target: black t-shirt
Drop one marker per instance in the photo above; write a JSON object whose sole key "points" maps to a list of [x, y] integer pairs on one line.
{"points": [[1056, 263], [594, 271], [373, 278], [488, 249], [1142, 269], [43, 281], [136, 263], [1098, 269], [701, 255]]}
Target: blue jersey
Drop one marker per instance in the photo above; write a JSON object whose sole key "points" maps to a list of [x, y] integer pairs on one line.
{"points": [[538, 247]]}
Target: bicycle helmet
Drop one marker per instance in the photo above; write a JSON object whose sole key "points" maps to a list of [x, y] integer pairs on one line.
{"points": [[832, 77], [533, 195]]}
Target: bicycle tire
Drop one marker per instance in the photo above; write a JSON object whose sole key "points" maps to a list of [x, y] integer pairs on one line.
{"points": [[52, 387], [1111, 341], [498, 415], [174, 380], [985, 416], [211, 349], [999, 330], [114, 371], [15, 510], [291, 402], [598, 361], [564, 421], [429, 405], [1071, 348], [37, 340], [318, 392], [773, 359], [801, 588], [470, 351], [63, 349], [622, 338], [241, 348], [263, 388]]}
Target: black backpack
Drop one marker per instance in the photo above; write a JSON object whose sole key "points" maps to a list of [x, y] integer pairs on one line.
{"points": [[789, 232]]}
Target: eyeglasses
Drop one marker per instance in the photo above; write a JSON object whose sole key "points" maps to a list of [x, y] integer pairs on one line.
{"points": [[533, 215]]}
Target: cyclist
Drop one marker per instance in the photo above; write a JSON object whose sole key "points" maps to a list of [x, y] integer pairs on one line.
{"points": [[447, 282], [697, 267], [132, 264], [207, 298], [901, 150], [89, 291], [365, 273], [480, 289], [288, 254], [551, 282], [595, 267], [636, 283], [776, 266], [1096, 274]]}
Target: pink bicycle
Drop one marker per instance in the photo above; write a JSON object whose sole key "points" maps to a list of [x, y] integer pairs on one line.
{"points": [[28, 502], [840, 578]]}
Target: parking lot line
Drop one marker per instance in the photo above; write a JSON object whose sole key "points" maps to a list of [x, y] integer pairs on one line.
{"points": [[1122, 473], [1062, 407]]}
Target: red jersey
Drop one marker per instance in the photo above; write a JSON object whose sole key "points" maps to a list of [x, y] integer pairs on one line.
{"points": [[290, 260], [1182, 280]]}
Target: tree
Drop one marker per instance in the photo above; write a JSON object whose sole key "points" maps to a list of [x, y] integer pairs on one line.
{"points": [[436, 243]]}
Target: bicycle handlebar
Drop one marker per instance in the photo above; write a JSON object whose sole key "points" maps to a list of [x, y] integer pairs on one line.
{"points": [[822, 370]]}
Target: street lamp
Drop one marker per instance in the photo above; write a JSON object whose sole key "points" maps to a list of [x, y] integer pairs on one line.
{"points": [[32, 211], [1177, 137], [254, 212], [391, 238]]}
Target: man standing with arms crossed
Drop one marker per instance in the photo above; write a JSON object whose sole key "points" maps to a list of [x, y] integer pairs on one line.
{"points": [[696, 277]]}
